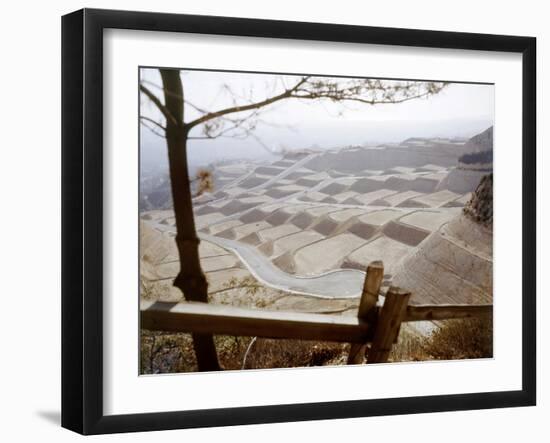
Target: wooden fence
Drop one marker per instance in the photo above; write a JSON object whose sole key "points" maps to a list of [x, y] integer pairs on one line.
{"points": [[372, 333]]}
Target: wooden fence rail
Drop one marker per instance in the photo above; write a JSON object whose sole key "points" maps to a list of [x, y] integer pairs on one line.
{"points": [[376, 325], [229, 320], [446, 312]]}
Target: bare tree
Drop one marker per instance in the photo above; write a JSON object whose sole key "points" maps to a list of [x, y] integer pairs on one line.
{"points": [[239, 120]]}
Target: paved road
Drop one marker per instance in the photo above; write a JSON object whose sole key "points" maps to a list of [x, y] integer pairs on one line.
{"points": [[336, 284], [343, 283]]}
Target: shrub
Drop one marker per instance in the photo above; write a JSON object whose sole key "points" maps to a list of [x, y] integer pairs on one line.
{"points": [[269, 353], [460, 339]]}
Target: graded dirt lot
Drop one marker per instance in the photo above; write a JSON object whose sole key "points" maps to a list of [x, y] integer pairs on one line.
{"points": [[448, 269], [218, 263], [428, 220], [292, 242], [370, 197], [220, 227], [313, 196], [436, 199], [382, 248], [379, 218], [397, 199], [244, 230], [342, 197], [277, 232], [345, 215], [323, 211], [207, 249], [326, 254], [203, 221]]}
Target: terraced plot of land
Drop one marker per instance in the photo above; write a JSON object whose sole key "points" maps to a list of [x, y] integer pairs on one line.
{"points": [[436, 199], [428, 220], [277, 232], [326, 254], [382, 248], [305, 219]]}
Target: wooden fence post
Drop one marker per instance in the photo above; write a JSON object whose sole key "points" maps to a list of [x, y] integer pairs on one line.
{"points": [[369, 298], [388, 325]]}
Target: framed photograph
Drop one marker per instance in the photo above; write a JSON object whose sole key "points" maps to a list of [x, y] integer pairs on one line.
{"points": [[269, 221]]}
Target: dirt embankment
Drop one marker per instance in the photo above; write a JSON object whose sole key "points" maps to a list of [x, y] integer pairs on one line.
{"points": [[455, 263], [480, 206]]}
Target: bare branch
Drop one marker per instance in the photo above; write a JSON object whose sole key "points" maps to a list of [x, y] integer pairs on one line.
{"points": [[344, 91], [150, 120], [167, 114], [239, 128], [367, 91], [286, 94], [173, 94], [152, 129]]}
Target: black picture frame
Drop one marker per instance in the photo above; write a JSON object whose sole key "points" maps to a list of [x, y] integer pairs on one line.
{"points": [[82, 219]]}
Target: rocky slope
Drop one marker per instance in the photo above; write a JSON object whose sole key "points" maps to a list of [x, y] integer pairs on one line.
{"points": [[455, 263], [480, 207]]}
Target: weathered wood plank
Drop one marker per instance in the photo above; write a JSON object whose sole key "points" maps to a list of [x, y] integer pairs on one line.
{"points": [[229, 320], [388, 325], [446, 312], [369, 298]]}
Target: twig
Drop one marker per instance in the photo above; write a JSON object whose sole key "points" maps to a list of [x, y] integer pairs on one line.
{"points": [[247, 351]]}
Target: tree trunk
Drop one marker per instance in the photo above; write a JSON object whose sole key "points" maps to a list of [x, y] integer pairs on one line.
{"points": [[191, 279]]}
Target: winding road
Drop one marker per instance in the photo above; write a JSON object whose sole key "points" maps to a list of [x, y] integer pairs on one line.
{"points": [[344, 283], [341, 283]]}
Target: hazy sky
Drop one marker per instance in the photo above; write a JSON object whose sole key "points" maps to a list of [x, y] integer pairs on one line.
{"points": [[458, 110]]}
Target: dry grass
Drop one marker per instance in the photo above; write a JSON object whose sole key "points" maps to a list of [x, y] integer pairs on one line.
{"points": [[173, 353], [409, 347], [454, 340], [269, 353], [461, 339], [163, 352]]}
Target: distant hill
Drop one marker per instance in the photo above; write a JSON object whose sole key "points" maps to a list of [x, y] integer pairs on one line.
{"points": [[481, 142], [475, 162], [479, 149]]}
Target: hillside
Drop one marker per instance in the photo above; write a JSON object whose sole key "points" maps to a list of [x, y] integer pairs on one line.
{"points": [[310, 222], [455, 263], [473, 164]]}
